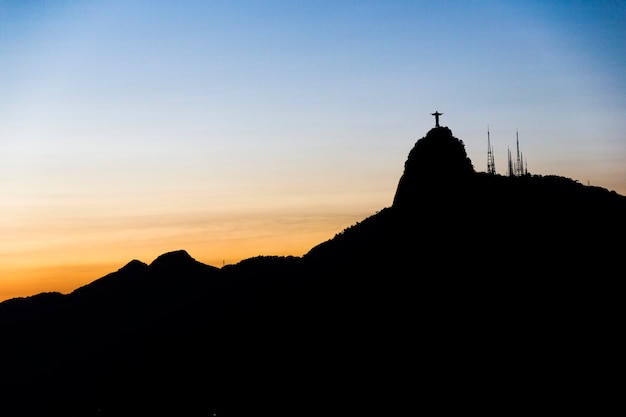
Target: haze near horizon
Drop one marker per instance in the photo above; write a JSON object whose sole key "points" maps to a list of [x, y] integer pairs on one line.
{"points": [[130, 129]]}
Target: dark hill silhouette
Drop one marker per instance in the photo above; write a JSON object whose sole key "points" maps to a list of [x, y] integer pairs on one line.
{"points": [[471, 292], [439, 161]]}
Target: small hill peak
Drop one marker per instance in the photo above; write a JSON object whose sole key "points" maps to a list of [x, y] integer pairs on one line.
{"points": [[178, 257], [180, 263], [133, 266]]}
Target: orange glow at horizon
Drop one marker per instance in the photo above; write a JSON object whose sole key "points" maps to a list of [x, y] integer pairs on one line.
{"points": [[78, 259]]}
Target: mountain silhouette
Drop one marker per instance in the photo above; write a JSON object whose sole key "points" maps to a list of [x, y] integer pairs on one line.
{"points": [[438, 160], [471, 292]]}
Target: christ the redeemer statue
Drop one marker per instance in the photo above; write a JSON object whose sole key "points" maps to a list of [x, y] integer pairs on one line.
{"points": [[436, 114]]}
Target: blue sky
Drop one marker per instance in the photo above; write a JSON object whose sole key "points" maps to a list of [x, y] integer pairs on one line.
{"points": [[130, 128]]}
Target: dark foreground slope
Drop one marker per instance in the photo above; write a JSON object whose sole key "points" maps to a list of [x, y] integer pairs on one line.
{"points": [[472, 292]]}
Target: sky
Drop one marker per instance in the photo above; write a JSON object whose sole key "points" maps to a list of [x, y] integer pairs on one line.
{"points": [[129, 129]]}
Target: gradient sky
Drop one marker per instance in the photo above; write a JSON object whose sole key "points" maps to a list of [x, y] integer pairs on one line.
{"points": [[235, 129]]}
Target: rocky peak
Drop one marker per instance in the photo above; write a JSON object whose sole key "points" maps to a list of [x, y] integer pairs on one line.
{"points": [[438, 161]]}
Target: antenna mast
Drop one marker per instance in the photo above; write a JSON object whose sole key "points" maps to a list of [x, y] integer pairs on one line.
{"points": [[510, 172], [519, 169], [491, 165]]}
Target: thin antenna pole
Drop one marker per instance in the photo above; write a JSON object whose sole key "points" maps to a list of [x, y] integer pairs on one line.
{"points": [[518, 160], [510, 163], [491, 166]]}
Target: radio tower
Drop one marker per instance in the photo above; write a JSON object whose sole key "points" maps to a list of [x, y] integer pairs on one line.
{"points": [[491, 164], [521, 167], [517, 168], [518, 158]]}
